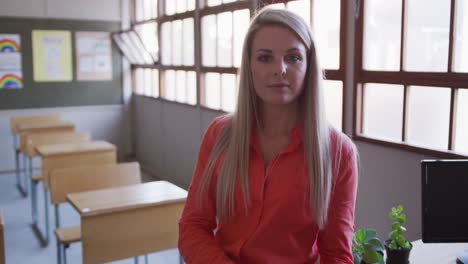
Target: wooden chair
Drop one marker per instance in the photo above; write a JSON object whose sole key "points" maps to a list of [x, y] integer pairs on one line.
{"points": [[2, 242], [80, 179], [14, 121]]}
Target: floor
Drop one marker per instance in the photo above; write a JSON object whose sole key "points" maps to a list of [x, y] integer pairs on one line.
{"points": [[21, 246]]}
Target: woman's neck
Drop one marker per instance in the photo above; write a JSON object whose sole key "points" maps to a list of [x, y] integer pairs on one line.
{"points": [[278, 120]]}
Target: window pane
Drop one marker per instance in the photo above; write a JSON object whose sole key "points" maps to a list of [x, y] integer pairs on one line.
{"points": [[169, 85], [177, 42], [228, 1], [147, 11], [154, 9], [148, 82], [170, 7], [333, 93], [148, 34], [191, 88], [139, 81], [382, 35], [277, 6], [301, 7], [241, 24], [188, 42], [190, 5], [383, 111], [166, 49], [228, 92], [460, 61], [155, 83], [181, 87], [326, 26], [209, 40], [213, 2], [139, 10], [212, 90], [225, 39], [461, 138], [181, 6], [427, 35], [430, 102]]}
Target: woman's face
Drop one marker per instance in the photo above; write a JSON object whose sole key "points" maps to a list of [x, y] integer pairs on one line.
{"points": [[279, 64]]}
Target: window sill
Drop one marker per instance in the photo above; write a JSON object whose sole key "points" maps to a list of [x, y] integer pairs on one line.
{"points": [[411, 148]]}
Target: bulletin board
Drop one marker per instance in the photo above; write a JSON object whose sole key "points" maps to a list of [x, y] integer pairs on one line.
{"points": [[75, 92]]}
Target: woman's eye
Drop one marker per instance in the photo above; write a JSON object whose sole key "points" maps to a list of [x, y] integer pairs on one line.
{"points": [[293, 58], [264, 58]]}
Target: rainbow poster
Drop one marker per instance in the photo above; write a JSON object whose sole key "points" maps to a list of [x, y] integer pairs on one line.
{"points": [[10, 62], [10, 43], [11, 80]]}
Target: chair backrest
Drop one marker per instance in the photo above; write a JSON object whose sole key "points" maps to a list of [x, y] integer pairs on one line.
{"points": [[80, 179], [32, 140], [32, 120], [2, 241]]}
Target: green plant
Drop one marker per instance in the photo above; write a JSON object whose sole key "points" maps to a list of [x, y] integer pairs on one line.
{"points": [[367, 247], [397, 240]]}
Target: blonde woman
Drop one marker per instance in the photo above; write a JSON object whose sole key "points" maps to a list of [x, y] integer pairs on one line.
{"points": [[274, 183]]}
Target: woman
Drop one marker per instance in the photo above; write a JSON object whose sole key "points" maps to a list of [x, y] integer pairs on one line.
{"points": [[274, 183]]}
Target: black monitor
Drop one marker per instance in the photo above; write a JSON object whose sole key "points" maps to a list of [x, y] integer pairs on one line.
{"points": [[445, 202]]}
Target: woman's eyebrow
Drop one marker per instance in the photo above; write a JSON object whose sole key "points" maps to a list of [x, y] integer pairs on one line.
{"points": [[265, 50]]}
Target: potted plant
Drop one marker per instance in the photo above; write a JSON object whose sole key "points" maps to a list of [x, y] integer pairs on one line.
{"points": [[367, 247], [397, 246]]}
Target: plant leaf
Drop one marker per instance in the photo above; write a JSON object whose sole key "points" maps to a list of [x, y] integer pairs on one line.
{"points": [[356, 258], [359, 235], [370, 256], [376, 244]]}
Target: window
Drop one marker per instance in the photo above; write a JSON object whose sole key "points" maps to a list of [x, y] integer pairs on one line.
{"points": [[412, 74], [222, 37], [199, 66]]}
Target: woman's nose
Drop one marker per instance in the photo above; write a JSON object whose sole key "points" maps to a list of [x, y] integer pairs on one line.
{"points": [[280, 68]]}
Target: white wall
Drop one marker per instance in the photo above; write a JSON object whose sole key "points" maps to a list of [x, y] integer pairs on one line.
{"points": [[66, 9], [111, 122], [168, 135]]}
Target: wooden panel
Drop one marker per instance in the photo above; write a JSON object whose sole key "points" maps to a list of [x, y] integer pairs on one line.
{"points": [[75, 160], [33, 140], [125, 234], [71, 149], [2, 242], [125, 198], [14, 121], [80, 179]]}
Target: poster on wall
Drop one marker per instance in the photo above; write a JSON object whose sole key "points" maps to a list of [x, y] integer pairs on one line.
{"points": [[10, 62], [93, 56], [52, 55]]}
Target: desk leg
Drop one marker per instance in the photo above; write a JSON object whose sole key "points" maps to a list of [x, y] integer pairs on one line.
{"points": [[43, 237], [19, 184]]}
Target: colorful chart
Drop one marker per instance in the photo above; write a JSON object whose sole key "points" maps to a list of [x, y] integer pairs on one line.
{"points": [[9, 45], [11, 80], [10, 62]]}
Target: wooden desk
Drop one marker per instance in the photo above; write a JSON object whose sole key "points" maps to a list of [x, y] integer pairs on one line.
{"points": [[59, 156], [2, 242], [437, 253], [129, 221]]}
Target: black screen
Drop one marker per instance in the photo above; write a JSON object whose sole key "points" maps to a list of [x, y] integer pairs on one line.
{"points": [[444, 200]]}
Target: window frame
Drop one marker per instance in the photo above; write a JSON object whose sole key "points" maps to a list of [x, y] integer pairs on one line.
{"points": [[449, 79]]}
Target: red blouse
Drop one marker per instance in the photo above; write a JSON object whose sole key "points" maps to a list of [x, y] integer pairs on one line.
{"points": [[279, 226]]}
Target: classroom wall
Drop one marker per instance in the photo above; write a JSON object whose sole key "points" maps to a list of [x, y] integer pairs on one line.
{"points": [[167, 137], [111, 122]]}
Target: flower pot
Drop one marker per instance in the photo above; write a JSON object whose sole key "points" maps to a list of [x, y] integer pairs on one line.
{"points": [[399, 256]]}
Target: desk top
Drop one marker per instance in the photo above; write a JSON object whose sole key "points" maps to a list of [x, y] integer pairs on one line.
{"points": [[74, 148], [22, 127], [440, 253], [127, 197]]}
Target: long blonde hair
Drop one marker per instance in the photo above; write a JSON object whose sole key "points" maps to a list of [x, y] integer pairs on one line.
{"points": [[234, 140]]}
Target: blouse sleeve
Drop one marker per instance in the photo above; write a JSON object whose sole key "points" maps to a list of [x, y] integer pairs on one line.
{"points": [[196, 226], [334, 241]]}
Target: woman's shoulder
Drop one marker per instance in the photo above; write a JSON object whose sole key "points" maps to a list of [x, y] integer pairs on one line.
{"points": [[217, 125], [342, 142]]}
